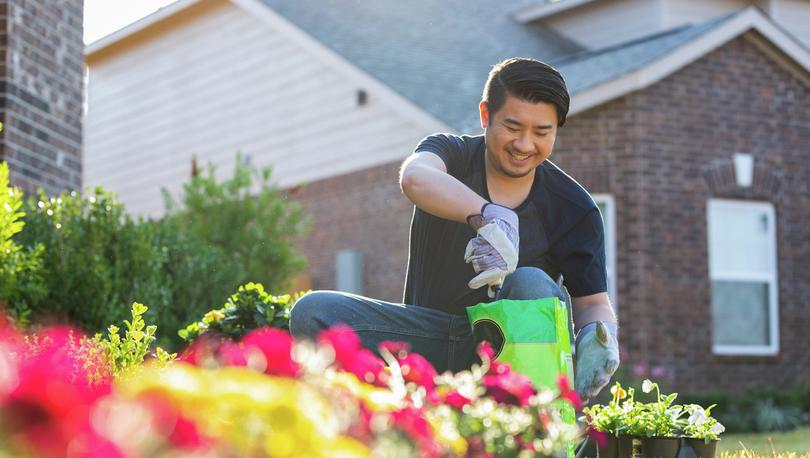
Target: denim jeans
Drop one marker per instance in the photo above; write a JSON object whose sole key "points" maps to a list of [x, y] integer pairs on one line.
{"points": [[444, 339]]}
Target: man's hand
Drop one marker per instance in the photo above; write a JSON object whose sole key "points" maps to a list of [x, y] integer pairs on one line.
{"points": [[494, 251], [597, 358]]}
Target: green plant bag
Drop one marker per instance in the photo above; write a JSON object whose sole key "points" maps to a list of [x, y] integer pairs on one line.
{"points": [[533, 337]]}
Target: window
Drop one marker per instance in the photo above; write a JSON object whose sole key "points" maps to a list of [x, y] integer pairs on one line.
{"points": [[742, 270], [607, 208]]}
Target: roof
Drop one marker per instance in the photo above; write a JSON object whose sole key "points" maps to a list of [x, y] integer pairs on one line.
{"points": [[435, 53], [588, 69]]}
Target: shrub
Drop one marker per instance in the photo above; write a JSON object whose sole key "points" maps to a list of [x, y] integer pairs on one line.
{"points": [[96, 259], [247, 218], [21, 280]]}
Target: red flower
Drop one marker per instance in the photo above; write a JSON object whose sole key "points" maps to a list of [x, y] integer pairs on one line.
{"points": [[231, 354], [350, 355], [52, 400], [456, 400], [601, 438], [485, 350], [506, 386], [398, 349], [567, 393], [343, 340], [416, 369], [201, 351], [276, 346], [413, 423]]}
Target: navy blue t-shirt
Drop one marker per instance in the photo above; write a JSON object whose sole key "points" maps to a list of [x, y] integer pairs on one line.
{"points": [[561, 232]]}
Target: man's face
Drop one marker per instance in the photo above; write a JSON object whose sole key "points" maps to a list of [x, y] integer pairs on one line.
{"points": [[519, 136]]}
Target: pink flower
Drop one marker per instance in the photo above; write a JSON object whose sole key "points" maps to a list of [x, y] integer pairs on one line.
{"points": [[456, 400], [567, 393], [231, 354], [485, 350], [398, 349], [351, 356], [416, 369], [276, 346], [52, 399], [413, 423], [601, 438], [343, 340], [201, 351], [506, 386]]}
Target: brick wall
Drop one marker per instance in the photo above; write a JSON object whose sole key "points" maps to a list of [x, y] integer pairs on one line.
{"points": [[41, 84], [365, 211], [662, 153]]}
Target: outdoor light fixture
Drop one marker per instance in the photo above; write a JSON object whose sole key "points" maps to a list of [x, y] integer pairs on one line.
{"points": [[743, 169]]}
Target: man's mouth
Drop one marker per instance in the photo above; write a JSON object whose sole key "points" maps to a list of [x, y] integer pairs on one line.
{"points": [[520, 156]]}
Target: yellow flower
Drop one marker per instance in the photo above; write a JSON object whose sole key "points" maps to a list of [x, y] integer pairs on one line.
{"points": [[618, 392], [213, 316]]}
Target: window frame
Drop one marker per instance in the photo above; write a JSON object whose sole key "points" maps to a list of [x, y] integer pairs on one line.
{"points": [[610, 243], [772, 277]]}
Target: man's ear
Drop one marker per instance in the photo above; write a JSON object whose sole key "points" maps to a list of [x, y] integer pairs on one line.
{"points": [[483, 109]]}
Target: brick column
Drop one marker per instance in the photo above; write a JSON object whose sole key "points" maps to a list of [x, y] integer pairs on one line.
{"points": [[41, 90]]}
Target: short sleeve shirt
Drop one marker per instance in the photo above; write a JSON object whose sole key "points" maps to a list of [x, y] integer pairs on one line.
{"points": [[561, 232]]}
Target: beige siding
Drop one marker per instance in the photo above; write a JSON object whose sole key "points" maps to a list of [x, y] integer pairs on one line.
{"points": [[223, 83], [793, 15], [601, 24]]}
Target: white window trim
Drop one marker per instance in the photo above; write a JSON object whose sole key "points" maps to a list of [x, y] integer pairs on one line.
{"points": [[610, 243], [772, 278]]}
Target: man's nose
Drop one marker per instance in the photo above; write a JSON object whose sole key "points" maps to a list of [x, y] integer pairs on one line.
{"points": [[523, 144]]}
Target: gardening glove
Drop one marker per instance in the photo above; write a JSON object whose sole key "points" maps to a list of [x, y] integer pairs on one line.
{"points": [[494, 251], [597, 358]]}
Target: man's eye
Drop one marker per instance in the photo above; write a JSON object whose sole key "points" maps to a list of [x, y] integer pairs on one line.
{"points": [[511, 129]]}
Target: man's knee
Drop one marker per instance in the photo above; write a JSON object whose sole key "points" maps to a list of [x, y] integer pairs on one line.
{"points": [[527, 283], [307, 315]]}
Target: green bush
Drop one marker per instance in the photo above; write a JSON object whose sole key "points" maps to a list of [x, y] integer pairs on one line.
{"points": [[95, 260], [21, 277], [759, 409], [247, 218]]}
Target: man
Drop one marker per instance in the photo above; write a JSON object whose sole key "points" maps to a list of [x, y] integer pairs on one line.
{"points": [[492, 217]]}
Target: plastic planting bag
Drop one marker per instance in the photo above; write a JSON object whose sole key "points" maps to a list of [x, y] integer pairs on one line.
{"points": [[533, 337]]}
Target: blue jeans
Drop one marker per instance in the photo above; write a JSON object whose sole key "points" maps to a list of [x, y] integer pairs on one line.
{"points": [[444, 339]]}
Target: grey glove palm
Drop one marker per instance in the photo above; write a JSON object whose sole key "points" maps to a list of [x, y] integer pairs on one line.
{"points": [[493, 252], [597, 358]]}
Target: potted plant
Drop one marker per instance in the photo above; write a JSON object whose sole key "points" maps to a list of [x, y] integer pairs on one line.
{"points": [[610, 422], [659, 423], [701, 431]]}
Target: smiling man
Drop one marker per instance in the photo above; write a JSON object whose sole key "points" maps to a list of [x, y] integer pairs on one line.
{"points": [[493, 219]]}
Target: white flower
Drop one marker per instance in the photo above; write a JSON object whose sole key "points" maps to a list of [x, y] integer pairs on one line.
{"points": [[717, 428], [647, 386], [698, 417]]}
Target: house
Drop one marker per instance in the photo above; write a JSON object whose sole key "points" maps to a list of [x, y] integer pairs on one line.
{"points": [[690, 125], [41, 89]]}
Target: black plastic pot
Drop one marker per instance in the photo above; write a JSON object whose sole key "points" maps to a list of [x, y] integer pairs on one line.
{"points": [[629, 447], [699, 448], [660, 447], [611, 448]]}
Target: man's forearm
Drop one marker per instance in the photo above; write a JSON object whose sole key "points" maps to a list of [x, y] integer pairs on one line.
{"points": [[592, 308], [440, 194]]}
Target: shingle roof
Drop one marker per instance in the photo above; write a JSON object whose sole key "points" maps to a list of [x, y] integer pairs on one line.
{"points": [[588, 69], [436, 53]]}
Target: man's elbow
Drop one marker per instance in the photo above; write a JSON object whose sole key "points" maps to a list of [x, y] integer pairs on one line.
{"points": [[411, 180]]}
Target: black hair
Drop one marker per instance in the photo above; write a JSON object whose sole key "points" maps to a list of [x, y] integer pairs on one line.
{"points": [[526, 79]]}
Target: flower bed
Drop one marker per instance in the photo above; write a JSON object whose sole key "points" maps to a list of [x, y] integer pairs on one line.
{"points": [[62, 393]]}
